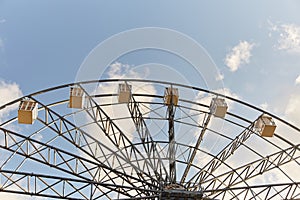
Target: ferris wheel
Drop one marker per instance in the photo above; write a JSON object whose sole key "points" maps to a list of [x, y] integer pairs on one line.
{"points": [[145, 139]]}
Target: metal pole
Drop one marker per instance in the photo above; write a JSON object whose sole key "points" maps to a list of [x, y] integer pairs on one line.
{"points": [[172, 164]]}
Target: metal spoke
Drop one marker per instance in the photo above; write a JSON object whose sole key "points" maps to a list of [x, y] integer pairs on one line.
{"points": [[148, 144], [216, 162], [253, 169], [192, 157], [269, 191], [120, 140], [172, 160]]}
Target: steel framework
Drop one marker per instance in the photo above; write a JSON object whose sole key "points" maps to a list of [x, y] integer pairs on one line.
{"points": [[143, 149]]}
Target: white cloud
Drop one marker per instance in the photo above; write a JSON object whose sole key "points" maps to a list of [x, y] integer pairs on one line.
{"points": [[297, 81], [288, 36], [8, 92], [10, 196], [239, 55], [119, 70], [264, 106], [293, 109], [220, 77], [2, 21], [1, 44]]}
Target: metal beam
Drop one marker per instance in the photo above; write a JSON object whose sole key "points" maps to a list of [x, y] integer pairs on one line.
{"points": [[92, 147], [268, 191], [172, 151], [116, 136], [252, 169], [56, 187], [147, 141], [62, 160], [220, 158], [200, 138]]}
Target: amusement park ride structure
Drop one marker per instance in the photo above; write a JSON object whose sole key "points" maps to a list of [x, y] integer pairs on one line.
{"points": [[117, 139]]}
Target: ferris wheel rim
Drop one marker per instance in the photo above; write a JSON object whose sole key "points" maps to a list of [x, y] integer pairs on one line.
{"points": [[154, 81]]}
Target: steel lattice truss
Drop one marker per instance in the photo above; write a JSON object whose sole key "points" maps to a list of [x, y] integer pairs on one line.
{"points": [[141, 148]]}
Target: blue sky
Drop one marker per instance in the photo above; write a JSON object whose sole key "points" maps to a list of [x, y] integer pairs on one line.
{"points": [[44, 43], [255, 44]]}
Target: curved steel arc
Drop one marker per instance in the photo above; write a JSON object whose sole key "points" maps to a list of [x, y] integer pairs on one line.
{"points": [[156, 82]]}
